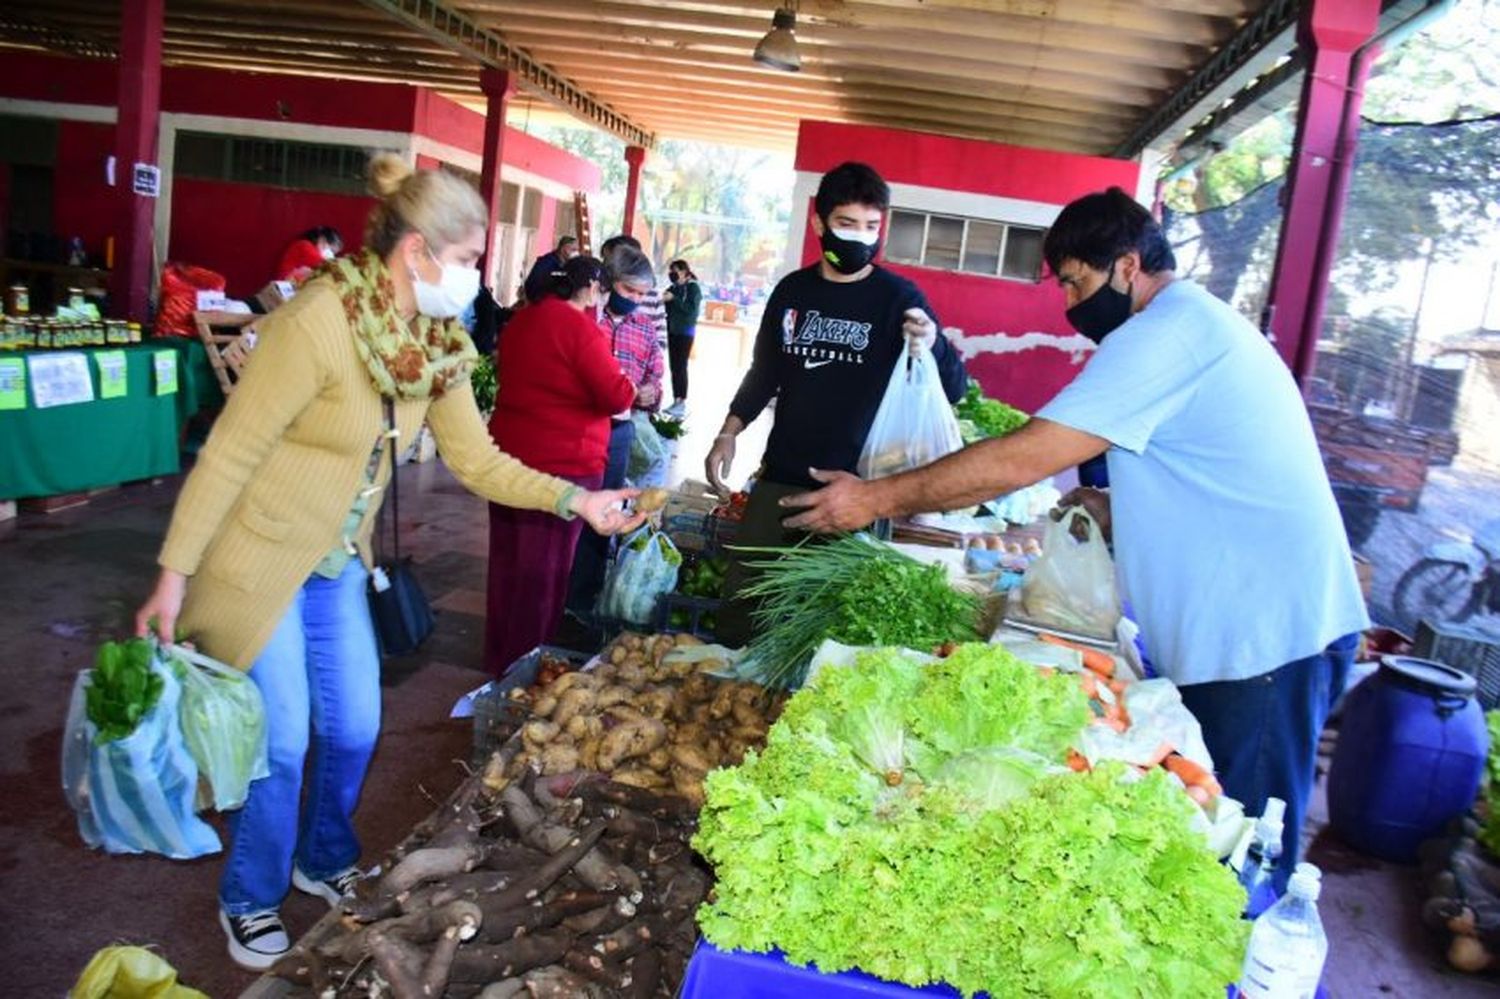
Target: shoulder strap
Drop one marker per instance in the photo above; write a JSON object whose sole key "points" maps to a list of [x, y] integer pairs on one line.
{"points": [[390, 426]]}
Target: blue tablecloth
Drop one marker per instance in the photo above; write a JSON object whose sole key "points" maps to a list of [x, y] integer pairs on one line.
{"points": [[719, 974]]}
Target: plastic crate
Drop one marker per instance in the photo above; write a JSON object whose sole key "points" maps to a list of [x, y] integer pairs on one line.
{"points": [[496, 714], [1473, 650], [696, 608]]}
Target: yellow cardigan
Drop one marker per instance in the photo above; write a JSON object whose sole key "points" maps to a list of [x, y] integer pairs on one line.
{"points": [[272, 487]]}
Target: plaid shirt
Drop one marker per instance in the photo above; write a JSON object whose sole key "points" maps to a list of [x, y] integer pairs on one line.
{"points": [[633, 342]]}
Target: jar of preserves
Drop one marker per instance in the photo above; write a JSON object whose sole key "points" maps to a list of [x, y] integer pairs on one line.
{"points": [[18, 300], [135, 332]]}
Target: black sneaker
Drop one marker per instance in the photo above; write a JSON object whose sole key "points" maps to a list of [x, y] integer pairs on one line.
{"points": [[331, 890], [256, 939]]}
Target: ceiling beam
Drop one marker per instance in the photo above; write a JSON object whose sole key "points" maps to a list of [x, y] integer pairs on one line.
{"points": [[462, 34]]}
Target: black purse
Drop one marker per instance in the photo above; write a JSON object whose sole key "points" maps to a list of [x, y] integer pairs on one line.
{"points": [[398, 607]]}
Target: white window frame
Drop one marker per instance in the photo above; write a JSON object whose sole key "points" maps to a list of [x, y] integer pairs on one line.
{"points": [[963, 244]]}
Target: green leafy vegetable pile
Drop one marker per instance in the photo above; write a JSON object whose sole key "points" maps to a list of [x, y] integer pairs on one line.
{"points": [[122, 688], [1489, 833], [667, 427], [916, 823], [987, 417], [482, 378], [853, 590]]}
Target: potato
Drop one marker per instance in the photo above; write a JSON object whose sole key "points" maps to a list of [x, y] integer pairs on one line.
{"points": [[584, 727], [691, 758], [698, 687], [686, 638], [749, 733], [638, 776], [588, 752], [615, 693], [723, 701], [655, 703], [537, 733], [559, 758], [571, 704], [658, 759], [617, 654], [689, 784], [690, 734], [651, 500], [630, 739], [545, 705]]}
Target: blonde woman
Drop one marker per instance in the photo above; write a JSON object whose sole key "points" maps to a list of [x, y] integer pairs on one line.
{"points": [[266, 560]]}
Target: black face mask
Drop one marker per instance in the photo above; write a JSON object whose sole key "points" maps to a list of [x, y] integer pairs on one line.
{"points": [[1102, 312], [620, 305], [847, 256]]}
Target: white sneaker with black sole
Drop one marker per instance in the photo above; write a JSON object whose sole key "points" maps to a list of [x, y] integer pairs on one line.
{"points": [[331, 889], [256, 939]]}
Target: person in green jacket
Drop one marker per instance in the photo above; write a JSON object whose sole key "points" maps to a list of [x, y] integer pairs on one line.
{"points": [[684, 300]]}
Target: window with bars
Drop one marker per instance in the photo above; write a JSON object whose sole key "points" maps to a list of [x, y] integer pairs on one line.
{"points": [[297, 166], [967, 245]]}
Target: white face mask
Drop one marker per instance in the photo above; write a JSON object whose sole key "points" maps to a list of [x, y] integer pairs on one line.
{"points": [[858, 236], [451, 295], [328, 253]]}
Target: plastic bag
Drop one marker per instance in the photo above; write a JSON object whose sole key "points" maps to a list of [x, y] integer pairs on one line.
{"points": [[180, 284], [224, 724], [1071, 586], [644, 569], [914, 425], [650, 454], [122, 972], [136, 794]]}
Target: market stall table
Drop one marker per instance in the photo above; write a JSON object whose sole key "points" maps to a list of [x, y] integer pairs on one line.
{"points": [[72, 447]]}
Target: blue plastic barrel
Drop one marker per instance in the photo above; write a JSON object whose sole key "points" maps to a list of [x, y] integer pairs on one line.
{"points": [[1410, 757]]}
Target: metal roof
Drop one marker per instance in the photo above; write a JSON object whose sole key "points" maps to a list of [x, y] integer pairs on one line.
{"points": [[1076, 75]]}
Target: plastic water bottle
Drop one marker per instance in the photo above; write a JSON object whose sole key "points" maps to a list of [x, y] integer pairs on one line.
{"points": [[1288, 946], [1259, 871]]}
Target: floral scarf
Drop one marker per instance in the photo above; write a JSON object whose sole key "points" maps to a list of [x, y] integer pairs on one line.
{"points": [[420, 359]]}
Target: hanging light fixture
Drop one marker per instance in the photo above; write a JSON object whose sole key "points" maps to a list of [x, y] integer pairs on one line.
{"points": [[778, 49]]}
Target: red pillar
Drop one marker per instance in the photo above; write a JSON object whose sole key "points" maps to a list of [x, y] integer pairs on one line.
{"points": [[1331, 32], [498, 86], [635, 156], [136, 131]]}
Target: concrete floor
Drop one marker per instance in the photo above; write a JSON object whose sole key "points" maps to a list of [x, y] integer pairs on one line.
{"points": [[73, 579]]}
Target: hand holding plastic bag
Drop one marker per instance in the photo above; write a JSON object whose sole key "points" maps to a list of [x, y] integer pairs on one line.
{"points": [[224, 724], [914, 425], [1071, 587]]}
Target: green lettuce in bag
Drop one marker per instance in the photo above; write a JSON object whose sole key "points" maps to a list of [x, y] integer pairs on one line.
{"points": [[223, 722]]}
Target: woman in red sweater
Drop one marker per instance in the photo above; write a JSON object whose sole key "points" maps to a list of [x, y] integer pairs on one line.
{"points": [[558, 386]]}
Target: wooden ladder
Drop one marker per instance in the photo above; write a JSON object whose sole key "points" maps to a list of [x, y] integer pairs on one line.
{"points": [[581, 220]]}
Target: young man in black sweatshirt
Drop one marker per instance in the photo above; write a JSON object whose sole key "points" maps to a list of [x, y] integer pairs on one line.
{"points": [[831, 334]]}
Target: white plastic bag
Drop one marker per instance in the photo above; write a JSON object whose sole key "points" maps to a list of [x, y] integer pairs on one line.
{"points": [[650, 454], [644, 569], [223, 721], [914, 425], [135, 794], [1071, 586]]}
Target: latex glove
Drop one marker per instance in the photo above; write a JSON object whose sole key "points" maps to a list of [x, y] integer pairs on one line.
{"points": [[720, 460], [920, 331]]}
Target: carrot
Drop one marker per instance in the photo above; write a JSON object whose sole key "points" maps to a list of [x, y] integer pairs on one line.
{"points": [[1077, 761], [1094, 660], [1200, 795], [1192, 774], [1116, 687], [1089, 684], [1114, 712]]}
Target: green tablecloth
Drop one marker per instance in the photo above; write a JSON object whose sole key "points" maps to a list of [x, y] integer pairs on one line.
{"points": [[199, 385], [67, 449]]}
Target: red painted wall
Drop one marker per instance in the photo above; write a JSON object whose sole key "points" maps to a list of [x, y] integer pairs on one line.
{"points": [[240, 230], [83, 204], [971, 306], [453, 124]]}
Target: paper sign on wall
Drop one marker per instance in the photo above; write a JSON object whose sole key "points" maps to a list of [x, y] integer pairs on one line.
{"points": [[111, 373], [60, 379], [146, 180], [12, 383], [164, 363]]}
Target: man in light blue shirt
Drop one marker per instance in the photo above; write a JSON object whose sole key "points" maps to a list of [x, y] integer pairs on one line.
{"points": [[1227, 539]]}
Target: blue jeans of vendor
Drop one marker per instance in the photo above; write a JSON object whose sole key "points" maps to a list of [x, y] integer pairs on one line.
{"points": [[1263, 735], [321, 663]]}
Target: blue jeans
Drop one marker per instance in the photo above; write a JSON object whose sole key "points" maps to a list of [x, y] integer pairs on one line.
{"points": [[319, 671], [1263, 735], [592, 554]]}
